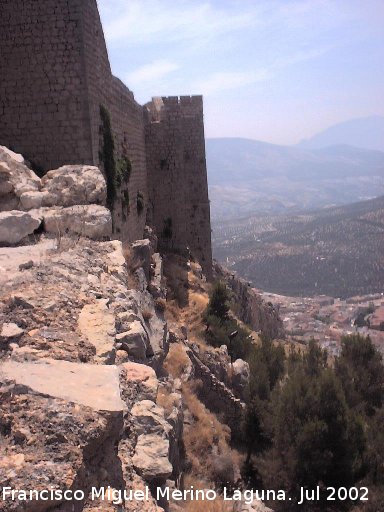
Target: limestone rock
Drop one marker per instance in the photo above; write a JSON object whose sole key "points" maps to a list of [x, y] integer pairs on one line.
{"points": [[95, 386], [10, 332], [116, 261], [149, 418], [74, 185], [15, 179], [33, 199], [53, 442], [16, 225], [155, 285], [92, 221], [134, 341], [139, 379], [151, 457], [240, 378], [142, 252], [97, 324]]}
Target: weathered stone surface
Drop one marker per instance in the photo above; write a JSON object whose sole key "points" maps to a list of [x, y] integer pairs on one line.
{"points": [[93, 386], [151, 457], [155, 285], [15, 179], [158, 348], [140, 378], [149, 418], [16, 225], [240, 378], [116, 261], [142, 252], [10, 332], [73, 185], [134, 341], [97, 324], [52, 442], [33, 199], [92, 221]]}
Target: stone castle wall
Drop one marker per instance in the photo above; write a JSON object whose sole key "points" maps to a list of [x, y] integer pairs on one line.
{"points": [[43, 102], [54, 77], [127, 124], [177, 176]]}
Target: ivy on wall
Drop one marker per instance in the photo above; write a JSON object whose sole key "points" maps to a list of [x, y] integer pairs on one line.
{"points": [[107, 155], [140, 203]]}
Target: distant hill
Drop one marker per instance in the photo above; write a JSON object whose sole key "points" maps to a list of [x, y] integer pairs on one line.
{"points": [[337, 251], [366, 133], [247, 176]]}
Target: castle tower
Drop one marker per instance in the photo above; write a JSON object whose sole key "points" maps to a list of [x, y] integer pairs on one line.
{"points": [[177, 175]]}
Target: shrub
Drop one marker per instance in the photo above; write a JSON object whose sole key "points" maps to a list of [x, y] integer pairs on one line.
{"points": [[176, 361], [147, 314], [123, 170], [160, 305], [361, 371], [219, 301]]}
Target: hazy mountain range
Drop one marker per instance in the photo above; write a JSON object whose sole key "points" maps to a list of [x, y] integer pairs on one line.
{"points": [[247, 176], [366, 133]]}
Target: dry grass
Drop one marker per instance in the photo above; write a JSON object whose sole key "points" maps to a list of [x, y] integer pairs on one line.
{"points": [[218, 505], [205, 436], [188, 296], [147, 314], [166, 400], [176, 361]]}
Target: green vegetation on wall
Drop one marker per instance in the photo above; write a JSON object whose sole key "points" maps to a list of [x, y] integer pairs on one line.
{"points": [[107, 155], [123, 170], [167, 230], [117, 171], [140, 203]]}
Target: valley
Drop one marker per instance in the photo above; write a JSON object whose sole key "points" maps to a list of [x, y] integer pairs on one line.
{"points": [[336, 252]]}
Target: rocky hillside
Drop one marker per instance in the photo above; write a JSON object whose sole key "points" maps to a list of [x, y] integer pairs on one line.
{"points": [[104, 375]]}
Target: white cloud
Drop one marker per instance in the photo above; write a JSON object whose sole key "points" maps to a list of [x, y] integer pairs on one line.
{"points": [[143, 21], [221, 81], [149, 72]]}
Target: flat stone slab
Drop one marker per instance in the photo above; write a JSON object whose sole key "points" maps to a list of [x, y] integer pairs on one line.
{"points": [[97, 324], [95, 386]]}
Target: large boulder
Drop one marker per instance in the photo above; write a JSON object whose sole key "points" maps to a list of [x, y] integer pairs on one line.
{"points": [[151, 457], [240, 378], [92, 221], [139, 380], [74, 184], [142, 252], [15, 179], [135, 341], [149, 418], [16, 225]]}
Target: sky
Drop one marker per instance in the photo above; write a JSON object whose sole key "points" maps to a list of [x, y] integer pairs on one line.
{"points": [[272, 70]]}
